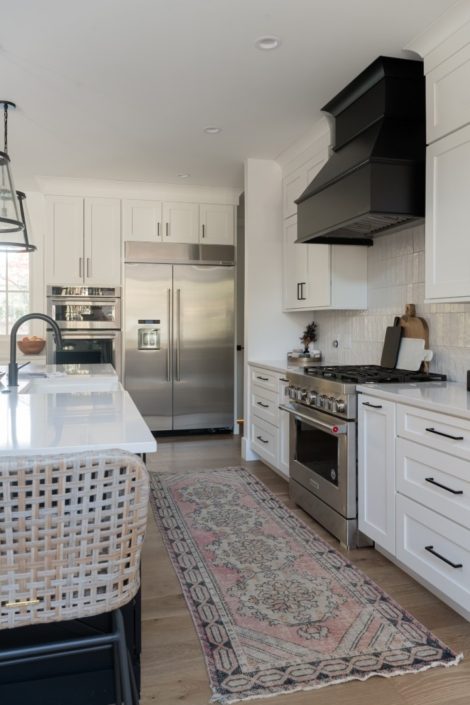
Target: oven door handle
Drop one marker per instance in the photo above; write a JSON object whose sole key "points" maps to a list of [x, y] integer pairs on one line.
{"points": [[334, 429], [87, 335]]}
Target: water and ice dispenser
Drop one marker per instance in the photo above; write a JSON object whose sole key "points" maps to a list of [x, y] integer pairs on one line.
{"points": [[148, 334]]}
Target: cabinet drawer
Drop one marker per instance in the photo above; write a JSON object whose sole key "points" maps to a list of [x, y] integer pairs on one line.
{"points": [[434, 430], [264, 378], [421, 534], [435, 479], [265, 404], [264, 440]]}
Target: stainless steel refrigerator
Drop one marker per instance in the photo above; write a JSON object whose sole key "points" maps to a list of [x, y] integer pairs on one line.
{"points": [[179, 334]]}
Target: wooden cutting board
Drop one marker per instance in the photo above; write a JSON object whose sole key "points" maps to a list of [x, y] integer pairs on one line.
{"points": [[414, 326]]}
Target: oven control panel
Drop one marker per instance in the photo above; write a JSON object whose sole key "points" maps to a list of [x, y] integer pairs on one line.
{"points": [[326, 402]]}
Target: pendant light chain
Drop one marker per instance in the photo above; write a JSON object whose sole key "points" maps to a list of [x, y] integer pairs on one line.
{"points": [[5, 128]]}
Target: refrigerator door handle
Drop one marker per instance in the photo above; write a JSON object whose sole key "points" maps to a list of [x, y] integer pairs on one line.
{"points": [[178, 335], [168, 347]]}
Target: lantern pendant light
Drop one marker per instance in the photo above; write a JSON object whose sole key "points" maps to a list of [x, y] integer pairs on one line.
{"points": [[13, 231]]}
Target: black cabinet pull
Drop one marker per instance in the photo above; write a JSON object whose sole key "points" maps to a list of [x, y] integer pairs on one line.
{"points": [[302, 297], [373, 406], [283, 379], [260, 438], [442, 558], [264, 379], [260, 403], [432, 481], [446, 435]]}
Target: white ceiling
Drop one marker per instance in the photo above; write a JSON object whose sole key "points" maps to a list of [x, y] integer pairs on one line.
{"points": [[122, 89]]}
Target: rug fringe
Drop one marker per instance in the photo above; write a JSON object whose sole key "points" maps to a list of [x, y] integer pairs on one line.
{"points": [[228, 700]]}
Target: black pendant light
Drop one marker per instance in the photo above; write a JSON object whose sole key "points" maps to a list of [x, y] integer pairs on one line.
{"points": [[13, 231]]}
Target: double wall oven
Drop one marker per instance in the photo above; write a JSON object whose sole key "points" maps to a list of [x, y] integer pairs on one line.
{"points": [[90, 322]]}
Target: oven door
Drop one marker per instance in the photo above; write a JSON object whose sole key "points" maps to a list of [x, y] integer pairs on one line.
{"points": [[80, 346], [322, 457], [85, 313]]}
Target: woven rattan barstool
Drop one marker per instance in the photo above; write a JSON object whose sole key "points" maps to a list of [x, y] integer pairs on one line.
{"points": [[71, 533]]}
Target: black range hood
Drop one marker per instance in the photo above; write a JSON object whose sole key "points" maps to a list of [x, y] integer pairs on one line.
{"points": [[373, 182]]}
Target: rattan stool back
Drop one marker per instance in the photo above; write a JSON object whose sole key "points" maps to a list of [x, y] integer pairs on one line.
{"points": [[71, 533]]}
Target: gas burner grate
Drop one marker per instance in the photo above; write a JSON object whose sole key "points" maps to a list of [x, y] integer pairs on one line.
{"points": [[357, 374]]}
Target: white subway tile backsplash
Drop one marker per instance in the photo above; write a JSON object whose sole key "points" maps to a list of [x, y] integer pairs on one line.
{"points": [[396, 277]]}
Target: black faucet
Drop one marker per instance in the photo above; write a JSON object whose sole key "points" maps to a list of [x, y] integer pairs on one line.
{"points": [[13, 367]]}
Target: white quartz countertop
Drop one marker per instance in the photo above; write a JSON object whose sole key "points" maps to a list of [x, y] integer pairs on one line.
{"points": [[274, 365], [445, 397], [74, 408]]}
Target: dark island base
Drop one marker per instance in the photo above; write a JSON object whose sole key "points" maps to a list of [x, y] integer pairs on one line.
{"points": [[68, 680]]}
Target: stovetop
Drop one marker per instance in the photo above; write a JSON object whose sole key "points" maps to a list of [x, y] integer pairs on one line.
{"points": [[359, 374]]}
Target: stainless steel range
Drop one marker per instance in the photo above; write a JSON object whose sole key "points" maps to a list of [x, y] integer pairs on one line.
{"points": [[323, 441]]}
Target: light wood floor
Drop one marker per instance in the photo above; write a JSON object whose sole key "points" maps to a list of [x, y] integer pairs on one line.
{"points": [[173, 668]]}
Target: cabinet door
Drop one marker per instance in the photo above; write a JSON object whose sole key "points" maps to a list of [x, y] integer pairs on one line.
{"points": [[180, 222], [102, 241], [447, 249], [64, 240], [376, 470], [295, 183], [317, 291], [217, 223], [284, 424], [142, 220], [447, 101], [295, 268]]}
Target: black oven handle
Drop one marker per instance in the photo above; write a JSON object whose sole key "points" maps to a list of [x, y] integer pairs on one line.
{"points": [[334, 429]]}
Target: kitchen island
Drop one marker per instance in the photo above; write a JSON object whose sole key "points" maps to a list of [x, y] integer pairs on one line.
{"points": [[66, 410]]}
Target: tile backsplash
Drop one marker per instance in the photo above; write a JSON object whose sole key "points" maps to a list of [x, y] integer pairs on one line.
{"points": [[396, 277]]}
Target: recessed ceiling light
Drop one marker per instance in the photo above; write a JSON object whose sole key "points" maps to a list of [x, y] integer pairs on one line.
{"points": [[184, 176], [268, 43], [212, 130]]}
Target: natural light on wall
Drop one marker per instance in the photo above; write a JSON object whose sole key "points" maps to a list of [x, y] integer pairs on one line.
{"points": [[14, 289]]}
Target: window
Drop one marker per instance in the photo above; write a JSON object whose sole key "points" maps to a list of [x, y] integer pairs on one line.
{"points": [[14, 289]]}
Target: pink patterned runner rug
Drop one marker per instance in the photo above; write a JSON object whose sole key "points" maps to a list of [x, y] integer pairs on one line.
{"points": [[275, 607]]}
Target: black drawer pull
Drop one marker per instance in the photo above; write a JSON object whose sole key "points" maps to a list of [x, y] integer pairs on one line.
{"points": [[265, 406], [446, 435], [446, 560], [260, 438], [264, 379], [373, 406], [432, 481], [283, 379]]}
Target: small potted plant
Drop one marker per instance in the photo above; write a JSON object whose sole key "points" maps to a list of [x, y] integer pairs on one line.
{"points": [[309, 336]]}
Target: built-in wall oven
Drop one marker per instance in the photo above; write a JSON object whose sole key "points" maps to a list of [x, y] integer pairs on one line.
{"points": [[90, 322]]}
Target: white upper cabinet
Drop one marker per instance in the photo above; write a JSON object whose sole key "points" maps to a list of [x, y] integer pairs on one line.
{"points": [[295, 183], [83, 241], [447, 95], [217, 224], [157, 221], [180, 222], [142, 220], [64, 240], [102, 265], [447, 250], [322, 276]]}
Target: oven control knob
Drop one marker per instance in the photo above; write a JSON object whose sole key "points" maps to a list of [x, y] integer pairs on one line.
{"points": [[302, 394], [298, 394], [340, 406], [292, 393], [322, 401], [312, 398], [331, 403]]}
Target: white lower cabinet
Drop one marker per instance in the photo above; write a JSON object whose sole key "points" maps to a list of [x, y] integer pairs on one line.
{"points": [[269, 426], [414, 489], [435, 548], [376, 470]]}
